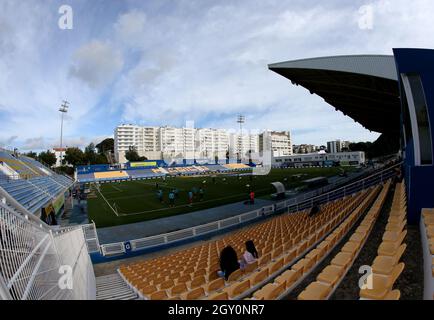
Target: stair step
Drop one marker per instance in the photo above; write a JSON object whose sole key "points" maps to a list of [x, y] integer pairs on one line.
{"points": [[111, 284], [113, 294], [113, 291], [124, 297], [113, 287]]}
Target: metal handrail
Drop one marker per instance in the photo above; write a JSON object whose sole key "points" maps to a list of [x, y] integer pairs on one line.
{"points": [[348, 186]]}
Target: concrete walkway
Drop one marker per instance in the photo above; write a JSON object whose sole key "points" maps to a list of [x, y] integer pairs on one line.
{"points": [[182, 221], [76, 215]]}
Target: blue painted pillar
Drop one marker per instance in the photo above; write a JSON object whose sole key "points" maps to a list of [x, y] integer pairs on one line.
{"points": [[415, 69]]}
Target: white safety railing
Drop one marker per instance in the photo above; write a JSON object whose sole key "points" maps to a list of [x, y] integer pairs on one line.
{"points": [[348, 189], [39, 262], [91, 237], [296, 204]]}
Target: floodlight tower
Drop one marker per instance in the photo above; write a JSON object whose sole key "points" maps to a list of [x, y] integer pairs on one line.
{"points": [[63, 109], [241, 120]]}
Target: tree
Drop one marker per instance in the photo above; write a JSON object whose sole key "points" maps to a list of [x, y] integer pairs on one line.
{"points": [[386, 144], [132, 155], [100, 159], [89, 154], [360, 146], [47, 157], [74, 156], [106, 145], [31, 154]]}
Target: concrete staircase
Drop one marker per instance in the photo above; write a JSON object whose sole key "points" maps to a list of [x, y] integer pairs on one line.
{"points": [[113, 287]]}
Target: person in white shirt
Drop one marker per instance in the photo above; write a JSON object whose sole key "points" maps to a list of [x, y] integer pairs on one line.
{"points": [[250, 255]]}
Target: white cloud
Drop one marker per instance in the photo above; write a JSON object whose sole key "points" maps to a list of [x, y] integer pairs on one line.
{"points": [[6, 142], [130, 27], [34, 144], [96, 63], [149, 63]]}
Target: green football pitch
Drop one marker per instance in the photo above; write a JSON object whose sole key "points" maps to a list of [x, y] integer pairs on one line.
{"points": [[133, 201]]}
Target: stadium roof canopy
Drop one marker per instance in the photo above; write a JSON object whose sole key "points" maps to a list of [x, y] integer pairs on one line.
{"points": [[363, 87]]}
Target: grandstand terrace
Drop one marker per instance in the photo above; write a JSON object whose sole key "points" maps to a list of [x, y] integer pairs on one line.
{"points": [[103, 173], [280, 242], [29, 182]]}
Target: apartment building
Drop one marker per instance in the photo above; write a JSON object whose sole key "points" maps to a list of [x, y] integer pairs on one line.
{"points": [[183, 143], [279, 141]]}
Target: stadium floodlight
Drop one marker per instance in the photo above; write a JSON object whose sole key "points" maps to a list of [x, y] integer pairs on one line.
{"points": [[63, 109], [241, 120]]}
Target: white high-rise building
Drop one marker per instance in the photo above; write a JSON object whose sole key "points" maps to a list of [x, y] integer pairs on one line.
{"points": [[338, 146], [157, 143], [241, 145], [177, 142], [334, 146], [280, 142], [212, 143], [146, 140]]}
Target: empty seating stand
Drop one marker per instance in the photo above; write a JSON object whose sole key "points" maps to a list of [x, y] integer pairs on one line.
{"points": [[386, 267], [331, 276], [36, 185], [427, 237], [280, 241]]}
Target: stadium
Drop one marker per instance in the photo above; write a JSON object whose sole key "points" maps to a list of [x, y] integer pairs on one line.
{"points": [[214, 216], [300, 256]]}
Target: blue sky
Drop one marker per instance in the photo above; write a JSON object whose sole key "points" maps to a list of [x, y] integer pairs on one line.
{"points": [[167, 62]]}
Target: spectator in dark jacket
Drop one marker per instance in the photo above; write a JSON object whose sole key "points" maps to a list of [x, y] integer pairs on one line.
{"points": [[315, 209], [228, 261]]}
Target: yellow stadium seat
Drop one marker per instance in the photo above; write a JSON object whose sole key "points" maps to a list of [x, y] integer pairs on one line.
{"points": [[194, 294], [314, 255], [184, 278], [289, 277], [264, 260], [357, 237], [147, 290], [276, 252], [201, 272], [251, 267], [290, 256], [342, 259], [237, 288], [219, 296], [159, 295], [197, 281], [396, 226], [215, 285], [270, 292], [392, 236], [393, 295], [382, 284], [110, 174], [178, 289], [385, 264], [330, 275], [351, 247], [258, 276], [234, 276], [276, 266], [167, 284], [315, 291], [388, 248]]}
